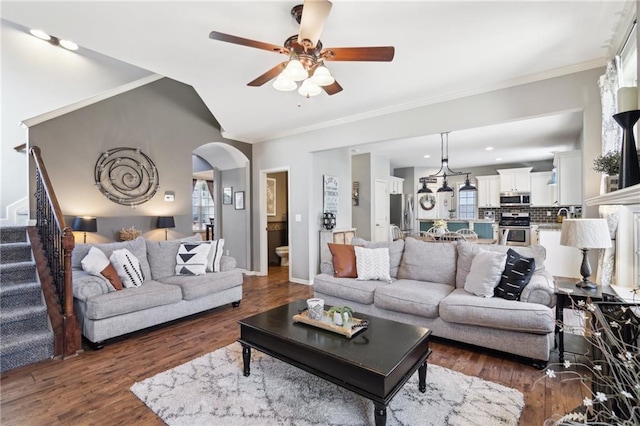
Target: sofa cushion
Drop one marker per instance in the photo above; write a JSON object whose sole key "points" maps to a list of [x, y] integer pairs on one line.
{"points": [[486, 270], [192, 258], [412, 297], [196, 286], [371, 264], [162, 255], [148, 295], [395, 251], [137, 247], [432, 262], [346, 288], [516, 275], [343, 257], [467, 250], [128, 268], [464, 308]]}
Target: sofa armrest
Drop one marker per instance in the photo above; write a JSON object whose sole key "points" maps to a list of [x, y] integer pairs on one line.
{"points": [[86, 285], [541, 289], [227, 263]]}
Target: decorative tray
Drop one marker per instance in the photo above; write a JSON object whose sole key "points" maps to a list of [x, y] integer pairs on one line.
{"points": [[350, 329]]}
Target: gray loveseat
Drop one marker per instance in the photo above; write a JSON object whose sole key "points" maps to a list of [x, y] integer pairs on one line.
{"points": [[163, 296], [427, 289]]}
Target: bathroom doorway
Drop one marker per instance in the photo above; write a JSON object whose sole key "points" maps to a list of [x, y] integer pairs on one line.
{"points": [[277, 212]]}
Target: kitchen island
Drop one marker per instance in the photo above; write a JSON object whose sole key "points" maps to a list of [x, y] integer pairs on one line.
{"points": [[485, 228]]}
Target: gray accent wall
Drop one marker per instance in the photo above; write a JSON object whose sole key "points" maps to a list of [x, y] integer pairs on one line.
{"points": [[167, 120]]}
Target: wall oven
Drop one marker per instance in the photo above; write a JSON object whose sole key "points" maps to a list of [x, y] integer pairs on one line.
{"points": [[515, 229], [515, 199]]}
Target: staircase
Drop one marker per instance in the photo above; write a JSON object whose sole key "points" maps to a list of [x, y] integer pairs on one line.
{"points": [[25, 331]]}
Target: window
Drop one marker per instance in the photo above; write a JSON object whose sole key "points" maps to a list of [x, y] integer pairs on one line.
{"points": [[202, 205], [467, 203]]}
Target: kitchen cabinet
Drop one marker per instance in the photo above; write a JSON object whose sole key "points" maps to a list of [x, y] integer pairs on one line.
{"points": [[569, 176], [543, 195], [395, 185], [561, 261], [488, 191], [515, 180]]}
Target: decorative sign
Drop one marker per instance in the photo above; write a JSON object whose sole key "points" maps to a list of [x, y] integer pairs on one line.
{"points": [[331, 194], [126, 176]]}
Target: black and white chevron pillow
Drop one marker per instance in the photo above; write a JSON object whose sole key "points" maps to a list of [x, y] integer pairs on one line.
{"points": [[128, 268], [372, 263], [192, 258]]}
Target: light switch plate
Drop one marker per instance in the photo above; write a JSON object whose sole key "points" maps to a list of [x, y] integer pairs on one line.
{"points": [[298, 218]]}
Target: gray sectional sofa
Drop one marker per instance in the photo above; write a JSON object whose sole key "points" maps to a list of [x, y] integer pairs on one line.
{"points": [[427, 289], [104, 313]]}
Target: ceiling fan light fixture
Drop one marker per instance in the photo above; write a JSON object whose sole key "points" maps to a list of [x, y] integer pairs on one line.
{"points": [[284, 84], [322, 77], [40, 34], [308, 89], [295, 71]]}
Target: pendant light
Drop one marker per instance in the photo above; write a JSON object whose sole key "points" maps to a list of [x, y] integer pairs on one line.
{"points": [[467, 185], [445, 170], [424, 189]]}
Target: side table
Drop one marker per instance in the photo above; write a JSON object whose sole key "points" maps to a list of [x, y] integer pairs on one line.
{"points": [[566, 293]]}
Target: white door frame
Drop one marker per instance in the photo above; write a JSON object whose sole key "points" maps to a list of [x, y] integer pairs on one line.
{"points": [[264, 240]]}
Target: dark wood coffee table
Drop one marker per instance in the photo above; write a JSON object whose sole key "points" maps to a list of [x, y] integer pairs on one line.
{"points": [[375, 363]]}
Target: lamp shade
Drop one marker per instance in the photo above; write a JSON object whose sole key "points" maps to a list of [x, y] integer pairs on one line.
{"points": [[585, 233], [166, 222], [85, 224]]}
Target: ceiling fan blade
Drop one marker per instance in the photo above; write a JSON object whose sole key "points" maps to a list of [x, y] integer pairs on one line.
{"points": [[375, 54], [269, 75], [215, 35], [333, 88], [314, 16]]}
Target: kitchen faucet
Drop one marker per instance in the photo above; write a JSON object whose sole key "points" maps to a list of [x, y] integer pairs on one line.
{"points": [[566, 211]]}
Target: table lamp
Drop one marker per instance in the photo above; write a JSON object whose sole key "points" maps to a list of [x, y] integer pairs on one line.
{"points": [[585, 234], [85, 224], [166, 222]]}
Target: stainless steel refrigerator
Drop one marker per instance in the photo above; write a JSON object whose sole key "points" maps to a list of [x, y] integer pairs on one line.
{"points": [[402, 212]]}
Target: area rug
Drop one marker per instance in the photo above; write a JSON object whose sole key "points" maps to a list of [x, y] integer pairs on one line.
{"points": [[211, 390]]}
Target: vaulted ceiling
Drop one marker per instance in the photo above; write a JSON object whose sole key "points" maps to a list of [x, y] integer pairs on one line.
{"points": [[443, 50]]}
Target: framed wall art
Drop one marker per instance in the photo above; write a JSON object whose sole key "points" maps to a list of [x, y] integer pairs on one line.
{"points": [[239, 200], [271, 197], [330, 192], [226, 195]]}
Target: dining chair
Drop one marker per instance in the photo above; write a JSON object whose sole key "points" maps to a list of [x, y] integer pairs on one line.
{"points": [[395, 232], [468, 234]]}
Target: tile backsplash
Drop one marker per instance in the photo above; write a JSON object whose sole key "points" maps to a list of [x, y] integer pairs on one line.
{"points": [[538, 214]]}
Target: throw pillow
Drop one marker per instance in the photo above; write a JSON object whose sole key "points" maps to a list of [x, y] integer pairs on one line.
{"points": [[344, 260], [128, 268], [516, 275], [372, 264], [215, 254], [96, 263], [486, 270], [192, 259]]}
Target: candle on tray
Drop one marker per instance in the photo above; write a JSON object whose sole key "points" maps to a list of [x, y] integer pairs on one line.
{"points": [[627, 99]]}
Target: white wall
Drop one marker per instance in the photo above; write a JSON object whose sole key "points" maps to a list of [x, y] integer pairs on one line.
{"points": [[37, 78], [575, 92]]}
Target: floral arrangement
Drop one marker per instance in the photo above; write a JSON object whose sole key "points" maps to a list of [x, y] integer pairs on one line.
{"points": [[613, 378], [129, 234], [440, 223]]}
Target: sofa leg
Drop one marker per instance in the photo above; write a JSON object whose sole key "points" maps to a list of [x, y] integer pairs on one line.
{"points": [[235, 304], [539, 364], [96, 346]]}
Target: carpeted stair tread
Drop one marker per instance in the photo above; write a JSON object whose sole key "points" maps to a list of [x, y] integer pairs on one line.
{"points": [[25, 348], [19, 320], [13, 234], [18, 272], [20, 294], [15, 252]]}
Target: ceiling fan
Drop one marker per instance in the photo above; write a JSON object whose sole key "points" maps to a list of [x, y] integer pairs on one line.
{"points": [[306, 53]]}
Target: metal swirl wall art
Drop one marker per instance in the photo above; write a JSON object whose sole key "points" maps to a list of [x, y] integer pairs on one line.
{"points": [[126, 176]]}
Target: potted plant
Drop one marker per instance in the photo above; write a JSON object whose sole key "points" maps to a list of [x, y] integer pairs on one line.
{"points": [[609, 164], [340, 314]]}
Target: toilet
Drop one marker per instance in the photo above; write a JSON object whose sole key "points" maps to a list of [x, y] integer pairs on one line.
{"points": [[283, 252]]}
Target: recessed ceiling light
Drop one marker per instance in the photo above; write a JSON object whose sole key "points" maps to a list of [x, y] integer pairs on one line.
{"points": [[427, 156], [40, 34], [489, 148], [498, 159], [69, 45]]}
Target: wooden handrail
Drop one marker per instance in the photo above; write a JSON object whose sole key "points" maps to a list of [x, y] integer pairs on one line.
{"points": [[57, 243]]}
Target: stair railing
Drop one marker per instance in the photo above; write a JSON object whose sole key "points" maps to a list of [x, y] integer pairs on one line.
{"points": [[57, 242]]}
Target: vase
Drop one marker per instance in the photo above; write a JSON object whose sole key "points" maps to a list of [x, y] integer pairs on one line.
{"points": [[337, 318], [329, 221], [629, 172], [611, 183]]}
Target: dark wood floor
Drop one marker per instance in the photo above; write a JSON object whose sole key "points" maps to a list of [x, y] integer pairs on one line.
{"points": [[93, 388]]}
